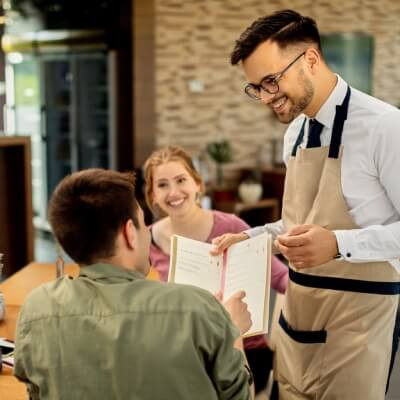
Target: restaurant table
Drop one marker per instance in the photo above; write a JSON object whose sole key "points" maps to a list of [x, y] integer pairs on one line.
{"points": [[15, 289]]}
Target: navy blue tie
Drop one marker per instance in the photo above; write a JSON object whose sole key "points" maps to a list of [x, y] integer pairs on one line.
{"points": [[314, 133]]}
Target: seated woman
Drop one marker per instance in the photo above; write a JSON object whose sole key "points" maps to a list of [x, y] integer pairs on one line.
{"points": [[173, 190]]}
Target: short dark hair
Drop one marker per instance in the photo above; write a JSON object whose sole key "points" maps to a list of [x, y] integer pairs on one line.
{"points": [[88, 208], [284, 27]]}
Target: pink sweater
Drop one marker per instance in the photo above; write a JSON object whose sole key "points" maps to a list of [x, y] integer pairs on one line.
{"points": [[225, 223]]}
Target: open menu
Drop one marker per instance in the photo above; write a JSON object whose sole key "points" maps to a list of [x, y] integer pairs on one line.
{"points": [[243, 266]]}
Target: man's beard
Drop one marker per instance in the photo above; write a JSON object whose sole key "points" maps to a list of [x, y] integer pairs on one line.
{"points": [[299, 104]]}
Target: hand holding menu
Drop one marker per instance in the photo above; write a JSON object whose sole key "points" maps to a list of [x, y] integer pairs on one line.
{"points": [[244, 266]]}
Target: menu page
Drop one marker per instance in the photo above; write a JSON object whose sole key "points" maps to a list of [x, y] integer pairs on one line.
{"points": [[249, 269], [192, 264]]}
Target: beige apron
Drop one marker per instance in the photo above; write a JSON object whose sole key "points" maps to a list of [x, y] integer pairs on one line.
{"points": [[335, 332]]}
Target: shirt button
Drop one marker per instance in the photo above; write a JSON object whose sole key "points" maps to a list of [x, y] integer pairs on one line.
{"points": [[348, 254]]}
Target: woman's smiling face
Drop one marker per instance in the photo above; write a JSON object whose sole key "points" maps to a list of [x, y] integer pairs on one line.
{"points": [[174, 188]]}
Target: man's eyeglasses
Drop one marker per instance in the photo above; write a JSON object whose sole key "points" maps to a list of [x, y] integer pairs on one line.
{"points": [[269, 84]]}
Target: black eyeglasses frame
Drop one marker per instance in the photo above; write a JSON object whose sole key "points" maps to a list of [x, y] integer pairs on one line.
{"points": [[269, 83]]}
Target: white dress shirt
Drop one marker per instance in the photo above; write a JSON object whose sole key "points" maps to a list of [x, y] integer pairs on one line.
{"points": [[370, 174]]}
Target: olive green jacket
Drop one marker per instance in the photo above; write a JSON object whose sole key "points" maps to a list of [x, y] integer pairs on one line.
{"points": [[111, 334]]}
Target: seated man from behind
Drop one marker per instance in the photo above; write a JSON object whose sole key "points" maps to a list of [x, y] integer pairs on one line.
{"points": [[112, 334]]}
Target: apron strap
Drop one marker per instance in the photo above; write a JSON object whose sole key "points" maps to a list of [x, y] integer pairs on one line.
{"points": [[337, 130], [338, 123], [299, 139], [344, 284]]}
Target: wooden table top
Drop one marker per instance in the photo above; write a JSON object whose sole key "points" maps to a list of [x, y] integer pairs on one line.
{"points": [[15, 289]]}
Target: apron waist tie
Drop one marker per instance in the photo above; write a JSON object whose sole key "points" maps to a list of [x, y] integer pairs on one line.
{"points": [[344, 284], [302, 336]]}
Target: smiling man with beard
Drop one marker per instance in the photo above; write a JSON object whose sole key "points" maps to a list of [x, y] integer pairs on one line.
{"points": [[340, 227]]}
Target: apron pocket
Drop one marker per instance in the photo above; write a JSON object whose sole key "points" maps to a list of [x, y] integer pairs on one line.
{"points": [[299, 358], [302, 336]]}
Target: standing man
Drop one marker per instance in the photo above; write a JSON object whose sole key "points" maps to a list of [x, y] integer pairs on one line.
{"points": [[340, 227], [110, 333]]}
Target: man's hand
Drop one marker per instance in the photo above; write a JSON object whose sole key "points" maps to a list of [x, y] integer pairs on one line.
{"points": [[220, 243], [307, 245], [238, 312]]}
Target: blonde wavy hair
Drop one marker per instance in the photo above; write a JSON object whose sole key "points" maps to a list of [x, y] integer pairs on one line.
{"points": [[162, 156]]}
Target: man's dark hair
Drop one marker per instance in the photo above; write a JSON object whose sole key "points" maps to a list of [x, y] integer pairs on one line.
{"points": [[88, 208], [286, 27]]}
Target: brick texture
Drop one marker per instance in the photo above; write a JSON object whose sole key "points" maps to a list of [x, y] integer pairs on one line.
{"points": [[193, 40]]}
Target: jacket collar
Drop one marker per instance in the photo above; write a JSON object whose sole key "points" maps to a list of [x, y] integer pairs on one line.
{"points": [[108, 271]]}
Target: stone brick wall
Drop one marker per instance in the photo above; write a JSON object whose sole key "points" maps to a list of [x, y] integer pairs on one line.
{"points": [[193, 40]]}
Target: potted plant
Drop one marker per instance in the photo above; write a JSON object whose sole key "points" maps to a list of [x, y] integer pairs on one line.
{"points": [[221, 153], [250, 189]]}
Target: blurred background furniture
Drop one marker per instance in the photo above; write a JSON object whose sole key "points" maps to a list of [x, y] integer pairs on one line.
{"points": [[260, 212], [16, 229], [68, 77], [268, 209], [272, 180]]}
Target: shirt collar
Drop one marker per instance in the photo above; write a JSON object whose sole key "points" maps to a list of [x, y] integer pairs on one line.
{"points": [[108, 271], [326, 114]]}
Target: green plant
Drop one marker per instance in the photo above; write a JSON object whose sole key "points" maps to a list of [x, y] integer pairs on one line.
{"points": [[221, 152]]}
